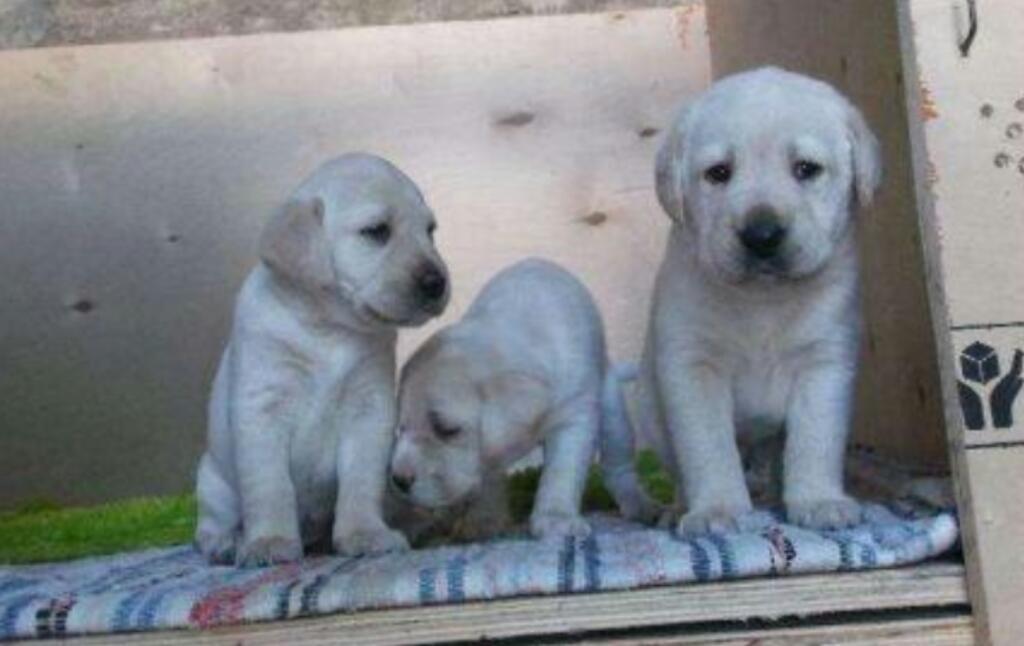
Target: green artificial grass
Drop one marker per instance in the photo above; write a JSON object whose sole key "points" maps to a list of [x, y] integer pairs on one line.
{"points": [[40, 532], [523, 485]]}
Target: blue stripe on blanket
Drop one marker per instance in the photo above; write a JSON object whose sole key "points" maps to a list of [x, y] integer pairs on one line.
{"points": [[14, 608], [310, 596], [428, 592], [455, 572], [284, 599], [700, 561], [725, 555], [148, 611], [845, 550], [592, 563], [567, 565]]}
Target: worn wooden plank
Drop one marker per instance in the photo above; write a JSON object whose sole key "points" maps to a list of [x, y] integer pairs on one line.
{"points": [[926, 586], [136, 179], [995, 478]]}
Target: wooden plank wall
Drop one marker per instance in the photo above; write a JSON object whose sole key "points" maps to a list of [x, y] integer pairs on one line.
{"points": [[136, 178], [855, 45]]}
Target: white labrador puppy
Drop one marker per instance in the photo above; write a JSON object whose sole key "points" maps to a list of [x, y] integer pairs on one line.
{"points": [[302, 411], [524, 367], [755, 320]]}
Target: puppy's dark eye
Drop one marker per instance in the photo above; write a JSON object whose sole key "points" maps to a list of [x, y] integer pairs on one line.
{"points": [[379, 233], [718, 174], [431, 228], [804, 170], [441, 429]]}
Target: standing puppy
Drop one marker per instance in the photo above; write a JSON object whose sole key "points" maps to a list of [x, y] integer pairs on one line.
{"points": [[755, 320], [302, 409], [524, 367]]}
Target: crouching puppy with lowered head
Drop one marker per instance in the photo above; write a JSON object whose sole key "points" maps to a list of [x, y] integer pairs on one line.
{"points": [[755, 319], [524, 367], [302, 411]]}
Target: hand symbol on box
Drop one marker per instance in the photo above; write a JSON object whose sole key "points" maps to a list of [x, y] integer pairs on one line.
{"points": [[1005, 393], [971, 406]]}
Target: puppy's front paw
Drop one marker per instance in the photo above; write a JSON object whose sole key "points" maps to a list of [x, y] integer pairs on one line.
{"points": [[715, 520], [217, 549], [270, 550], [362, 541], [556, 525], [836, 513]]}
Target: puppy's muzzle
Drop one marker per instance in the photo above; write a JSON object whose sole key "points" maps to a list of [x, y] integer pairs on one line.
{"points": [[402, 482], [432, 285], [763, 235]]}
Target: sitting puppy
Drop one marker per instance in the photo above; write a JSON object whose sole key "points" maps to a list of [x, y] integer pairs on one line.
{"points": [[302, 409], [755, 318], [524, 367]]}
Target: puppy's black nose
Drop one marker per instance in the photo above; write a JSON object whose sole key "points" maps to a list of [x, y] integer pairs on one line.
{"points": [[763, 236], [402, 482], [432, 284]]}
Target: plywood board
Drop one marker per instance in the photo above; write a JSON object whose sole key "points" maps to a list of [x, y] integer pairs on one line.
{"points": [[854, 44], [136, 179], [933, 586], [969, 161]]}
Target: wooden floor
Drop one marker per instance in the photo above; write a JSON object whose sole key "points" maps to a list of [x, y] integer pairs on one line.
{"points": [[926, 604]]}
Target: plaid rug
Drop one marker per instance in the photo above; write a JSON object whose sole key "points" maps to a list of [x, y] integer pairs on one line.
{"points": [[174, 588]]}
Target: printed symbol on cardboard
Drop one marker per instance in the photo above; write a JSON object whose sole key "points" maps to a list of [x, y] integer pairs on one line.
{"points": [[979, 365]]}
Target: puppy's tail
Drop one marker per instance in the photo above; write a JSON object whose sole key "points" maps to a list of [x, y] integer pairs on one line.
{"points": [[618, 449]]}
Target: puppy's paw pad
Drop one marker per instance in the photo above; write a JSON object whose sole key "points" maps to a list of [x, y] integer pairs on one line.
{"points": [[714, 520], [825, 514], [547, 526], [370, 541], [271, 550], [217, 549]]}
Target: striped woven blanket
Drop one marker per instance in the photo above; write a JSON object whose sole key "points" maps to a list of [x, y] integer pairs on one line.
{"points": [[174, 588]]}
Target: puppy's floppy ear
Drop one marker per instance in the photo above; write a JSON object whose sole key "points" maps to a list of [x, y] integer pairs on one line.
{"points": [[513, 404], [293, 244], [867, 158], [668, 170]]}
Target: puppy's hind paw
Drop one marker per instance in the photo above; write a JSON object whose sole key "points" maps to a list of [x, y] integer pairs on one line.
{"points": [[271, 550], [557, 525], [359, 542], [838, 513], [217, 549], [715, 520]]}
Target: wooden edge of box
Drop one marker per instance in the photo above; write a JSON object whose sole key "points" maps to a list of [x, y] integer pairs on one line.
{"points": [[934, 631], [928, 587]]}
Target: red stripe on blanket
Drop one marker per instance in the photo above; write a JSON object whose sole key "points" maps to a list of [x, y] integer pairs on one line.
{"points": [[226, 605]]}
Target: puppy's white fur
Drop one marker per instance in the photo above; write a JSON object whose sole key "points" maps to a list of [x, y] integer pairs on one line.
{"points": [[524, 367], [738, 346], [302, 410]]}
